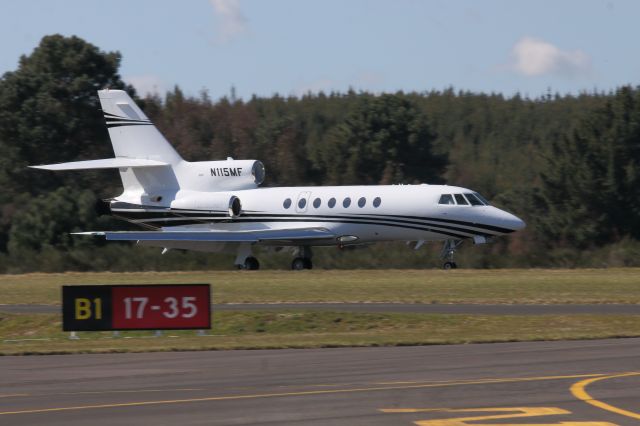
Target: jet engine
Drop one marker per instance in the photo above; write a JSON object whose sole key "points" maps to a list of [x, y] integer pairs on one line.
{"points": [[212, 202]]}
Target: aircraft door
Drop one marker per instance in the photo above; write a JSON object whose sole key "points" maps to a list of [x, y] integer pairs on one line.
{"points": [[302, 203]]}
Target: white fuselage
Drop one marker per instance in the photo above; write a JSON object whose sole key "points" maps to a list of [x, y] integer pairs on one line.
{"points": [[357, 214]]}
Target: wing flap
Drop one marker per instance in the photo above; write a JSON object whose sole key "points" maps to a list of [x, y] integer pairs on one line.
{"points": [[270, 236], [106, 163]]}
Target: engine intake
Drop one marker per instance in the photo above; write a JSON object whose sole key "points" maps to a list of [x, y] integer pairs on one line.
{"points": [[235, 206]]}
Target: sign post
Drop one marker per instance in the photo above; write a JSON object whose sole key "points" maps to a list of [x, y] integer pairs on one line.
{"points": [[136, 307]]}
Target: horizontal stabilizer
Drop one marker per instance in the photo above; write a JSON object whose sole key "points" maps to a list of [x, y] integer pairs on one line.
{"points": [[259, 236], [107, 163]]}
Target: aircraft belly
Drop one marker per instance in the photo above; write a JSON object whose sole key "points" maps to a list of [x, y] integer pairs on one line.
{"points": [[364, 232], [204, 246]]}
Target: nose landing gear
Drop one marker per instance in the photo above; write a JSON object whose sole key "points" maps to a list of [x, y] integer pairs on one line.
{"points": [[448, 250]]}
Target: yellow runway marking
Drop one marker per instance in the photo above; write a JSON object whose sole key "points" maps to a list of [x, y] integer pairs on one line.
{"points": [[128, 391], [301, 393], [578, 390], [473, 381], [510, 413]]}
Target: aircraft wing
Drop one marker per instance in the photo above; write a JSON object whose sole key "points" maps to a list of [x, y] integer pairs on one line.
{"points": [[267, 236]]}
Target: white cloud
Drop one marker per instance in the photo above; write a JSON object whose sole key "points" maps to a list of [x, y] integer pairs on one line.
{"points": [[533, 57], [147, 84], [232, 22]]}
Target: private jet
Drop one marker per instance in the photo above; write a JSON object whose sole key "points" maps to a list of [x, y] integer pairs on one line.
{"points": [[218, 206]]}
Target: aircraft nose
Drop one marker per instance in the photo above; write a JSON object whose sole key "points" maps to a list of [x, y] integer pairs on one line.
{"points": [[510, 221], [517, 223]]}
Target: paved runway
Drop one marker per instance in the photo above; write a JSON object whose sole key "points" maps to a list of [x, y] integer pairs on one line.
{"points": [[619, 309], [525, 383]]}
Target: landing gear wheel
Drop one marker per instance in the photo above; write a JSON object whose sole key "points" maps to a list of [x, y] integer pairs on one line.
{"points": [[300, 263], [251, 264], [448, 250], [449, 265]]}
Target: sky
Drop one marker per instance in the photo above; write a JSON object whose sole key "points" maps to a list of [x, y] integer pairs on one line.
{"points": [[292, 47]]}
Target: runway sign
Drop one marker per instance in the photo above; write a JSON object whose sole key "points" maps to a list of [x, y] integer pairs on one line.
{"points": [[136, 307]]}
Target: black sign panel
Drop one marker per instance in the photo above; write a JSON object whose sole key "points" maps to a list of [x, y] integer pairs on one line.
{"points": [[86, 308]]}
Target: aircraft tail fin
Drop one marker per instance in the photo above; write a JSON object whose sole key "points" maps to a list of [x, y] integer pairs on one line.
{"points": [[132, 134], [145, 159]]}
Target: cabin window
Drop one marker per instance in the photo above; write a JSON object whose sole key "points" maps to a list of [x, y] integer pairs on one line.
{"points": [[461, 200], [446, 199], [317, 202], [287, 203], [473, 200], [346, 203], [376, 202], [302, 202], [361, 202], [331, 203]]}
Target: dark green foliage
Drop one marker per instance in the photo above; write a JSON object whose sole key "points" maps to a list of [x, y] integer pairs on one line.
{"points": [[49, 113], [47, 220], [591, 187], [383, 140]]}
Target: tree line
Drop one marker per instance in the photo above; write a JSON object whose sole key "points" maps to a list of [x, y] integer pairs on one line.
{"points": [[567, 164]]}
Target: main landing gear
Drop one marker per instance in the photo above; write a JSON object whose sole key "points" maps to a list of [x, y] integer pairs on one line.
{"points": [[251, 264], [245, 259], [448, 250], [302, 259]]}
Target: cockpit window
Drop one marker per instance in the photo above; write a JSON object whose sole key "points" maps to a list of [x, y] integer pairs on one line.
{"points": [[481, 198], [475, 201], [446, 199], [461, 200]]}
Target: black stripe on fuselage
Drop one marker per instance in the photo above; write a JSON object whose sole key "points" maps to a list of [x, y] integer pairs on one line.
{"points": [[110, 125], [479, 229], [375, 221], [169, 219], [456, 222], [186, 222], [403, 219], [109, 115], [112, 117], [126, 120]]}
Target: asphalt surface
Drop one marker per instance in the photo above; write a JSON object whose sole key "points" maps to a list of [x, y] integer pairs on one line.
{"points": [[619, 309], [352, 386]]}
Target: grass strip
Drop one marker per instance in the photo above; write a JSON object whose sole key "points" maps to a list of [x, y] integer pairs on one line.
{"points": [[529, 286], [41, 333]]}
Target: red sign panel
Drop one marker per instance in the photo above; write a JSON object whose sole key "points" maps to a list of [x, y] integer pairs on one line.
{"points": [[161, 307]]}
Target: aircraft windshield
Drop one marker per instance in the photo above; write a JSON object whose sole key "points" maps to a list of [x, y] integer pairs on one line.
{"points": [[460, 200], [475, 201], [472, 198], [481, 198]]}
